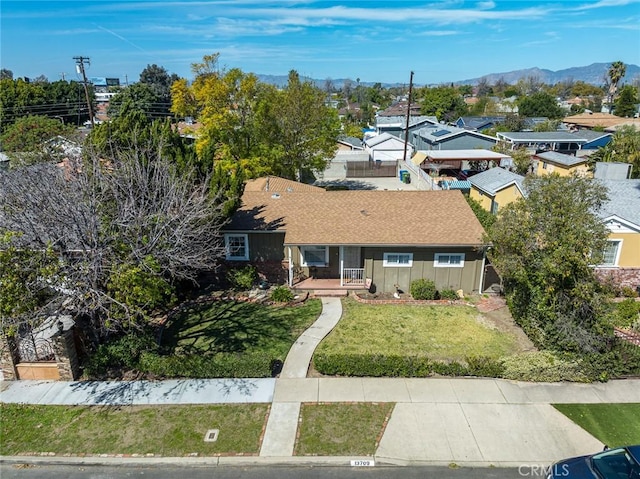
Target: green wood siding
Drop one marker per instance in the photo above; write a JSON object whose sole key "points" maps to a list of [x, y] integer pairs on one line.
{"points": [[385, 278]]}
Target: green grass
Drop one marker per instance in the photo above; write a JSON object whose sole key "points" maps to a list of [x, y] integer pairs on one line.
{"points": [[443, 333], [237, 327], [612, 424], [160, 430], [341, 429]]}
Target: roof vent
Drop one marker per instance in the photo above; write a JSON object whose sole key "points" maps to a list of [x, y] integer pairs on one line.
{"points": [[275, 196]]}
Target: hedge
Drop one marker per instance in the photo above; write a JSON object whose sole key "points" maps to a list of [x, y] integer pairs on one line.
{"points": [[378, 365], [222, 365]]}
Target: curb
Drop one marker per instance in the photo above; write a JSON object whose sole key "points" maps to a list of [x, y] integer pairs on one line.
{"points": [[239, 461]]}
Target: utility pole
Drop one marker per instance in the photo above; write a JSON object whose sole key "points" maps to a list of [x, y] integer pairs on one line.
{"points": [[406, 133], [80, 61], [62, 74]]}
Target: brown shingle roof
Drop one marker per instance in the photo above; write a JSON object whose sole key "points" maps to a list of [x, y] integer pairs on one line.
{"points": [[275, 184], [362, 217], [591, 120]]}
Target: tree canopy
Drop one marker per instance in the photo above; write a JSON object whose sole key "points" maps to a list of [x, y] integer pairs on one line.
{"points": [[544, 247], [539, 104], [623, 147], [251, 125], [127, 226], [446, 103]]}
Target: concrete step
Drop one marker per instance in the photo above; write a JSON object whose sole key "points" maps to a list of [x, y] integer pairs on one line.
{"points": [[319, 293]]}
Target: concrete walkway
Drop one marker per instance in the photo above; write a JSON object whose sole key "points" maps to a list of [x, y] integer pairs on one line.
{"points": [[467, 421]]}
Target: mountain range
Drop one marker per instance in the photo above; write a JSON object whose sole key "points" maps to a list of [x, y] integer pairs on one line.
{"points": [[594, 74]]}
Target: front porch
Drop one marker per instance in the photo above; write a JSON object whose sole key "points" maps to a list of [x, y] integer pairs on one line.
{"points": [[319, 284]]}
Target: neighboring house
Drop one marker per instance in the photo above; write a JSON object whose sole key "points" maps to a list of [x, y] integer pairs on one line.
{"points": [[458, 159], [397, 125], [590, 120], [276, 184], [479, 123], [496, 187], [621, 214], [349, 143], [359, 239], [446, 137], [564, 165], [399, 108], [560, 141], [386, 147]]}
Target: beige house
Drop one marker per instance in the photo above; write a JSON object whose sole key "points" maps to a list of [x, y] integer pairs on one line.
{"points": [[564, 165], [496, 187]]}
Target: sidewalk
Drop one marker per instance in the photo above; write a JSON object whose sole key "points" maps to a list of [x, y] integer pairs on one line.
{"points": [[467, 421]]}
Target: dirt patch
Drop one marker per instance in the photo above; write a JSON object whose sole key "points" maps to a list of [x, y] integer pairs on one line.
{"points": [[501, 320]]}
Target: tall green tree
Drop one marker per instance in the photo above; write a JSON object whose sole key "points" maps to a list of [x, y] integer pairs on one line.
{"points": [[139, 96], [444, 102], [615, 74], [627, 101], [299, 130], [540, 104], [544, 247], [27, 140]]}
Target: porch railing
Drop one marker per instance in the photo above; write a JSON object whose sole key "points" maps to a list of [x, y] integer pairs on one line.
{"points": [[351, 276]]}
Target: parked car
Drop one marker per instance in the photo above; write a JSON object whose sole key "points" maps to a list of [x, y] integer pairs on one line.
{"points": [[618, 463]]}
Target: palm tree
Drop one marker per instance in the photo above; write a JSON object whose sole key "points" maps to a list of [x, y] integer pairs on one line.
{"points": [[615, 73]]}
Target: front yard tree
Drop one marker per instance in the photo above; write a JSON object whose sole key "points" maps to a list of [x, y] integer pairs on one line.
{"points": [[126, 227], [544, 247]]}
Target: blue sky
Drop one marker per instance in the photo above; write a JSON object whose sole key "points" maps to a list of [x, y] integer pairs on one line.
{"points": [[441, 41]]}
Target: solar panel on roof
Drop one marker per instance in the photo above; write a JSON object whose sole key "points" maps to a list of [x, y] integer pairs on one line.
{"points": [[440, 133]]}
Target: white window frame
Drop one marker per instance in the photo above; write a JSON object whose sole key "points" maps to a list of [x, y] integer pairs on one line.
{"points": [[227, 246], [303, 261], [618, 250], [388, 262], [438, 263]]}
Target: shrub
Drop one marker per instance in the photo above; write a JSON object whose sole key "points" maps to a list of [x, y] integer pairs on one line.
{"points": [[281, 294], [627, 313], [121, 353], [484, 366], [449, 294], [423, 289], [242, 278], [628, 292], [222, 365], [544, 366]]}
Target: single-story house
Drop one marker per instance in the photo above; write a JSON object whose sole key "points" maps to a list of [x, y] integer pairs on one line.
{"points": [[560, 141], [446, 137], [386, 147], [496, 187], [621, 214], [564, 165], [396, 125], [591, 120], [349, 143], [481, 123], [459, 159], [359, 239]]}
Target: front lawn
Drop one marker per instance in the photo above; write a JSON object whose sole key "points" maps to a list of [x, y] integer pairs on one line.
{"points": [[439, 333], [159, 430], [613, 424], [227, 326]]}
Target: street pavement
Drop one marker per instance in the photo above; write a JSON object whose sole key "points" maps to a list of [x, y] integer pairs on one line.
{"points": [[470, 422]]}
